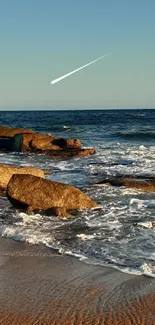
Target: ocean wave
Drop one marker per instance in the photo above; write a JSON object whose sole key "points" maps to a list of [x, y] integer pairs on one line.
{"points": [[103, 238]]}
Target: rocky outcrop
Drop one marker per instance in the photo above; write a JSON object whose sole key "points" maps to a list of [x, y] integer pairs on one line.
{"points": [[6, 173], [141, 184], [23, 140], [43, 142], [28, 191]]}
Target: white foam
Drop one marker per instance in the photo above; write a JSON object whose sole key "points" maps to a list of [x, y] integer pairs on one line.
{"points": [[142, 203], [85, 237], [27, 228], [147, 224], [148, 269], [69, 252], [142, 148], [64, 251], [145, 269], [66, 127], [32, 236]]}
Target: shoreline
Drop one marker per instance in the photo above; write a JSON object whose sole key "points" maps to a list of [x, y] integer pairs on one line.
{"points": [[40, 287]]}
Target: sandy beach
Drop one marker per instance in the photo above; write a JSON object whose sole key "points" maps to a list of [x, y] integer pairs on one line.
{"points": [[38, 286]]}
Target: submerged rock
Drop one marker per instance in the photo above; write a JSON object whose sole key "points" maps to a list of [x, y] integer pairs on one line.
{"points": [[32, 192], [142, 184], [6, 173]]}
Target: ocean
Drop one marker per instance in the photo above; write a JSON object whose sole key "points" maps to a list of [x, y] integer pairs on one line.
{"points": [[120, 234]]}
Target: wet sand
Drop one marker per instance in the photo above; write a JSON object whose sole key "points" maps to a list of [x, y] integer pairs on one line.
{"points": [[39, 287]]}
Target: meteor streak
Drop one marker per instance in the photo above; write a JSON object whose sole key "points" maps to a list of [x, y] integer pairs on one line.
{"points": [[74, 71]]}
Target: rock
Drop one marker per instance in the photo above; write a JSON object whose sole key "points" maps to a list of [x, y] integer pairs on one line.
{"points": [[43, 145], [7, 140], [67, 143], [6, 173], [25, 140], [54, 147], [70, 153], [142, 184], [85, 152], [33, 142], [44, 142], [37, 193]]}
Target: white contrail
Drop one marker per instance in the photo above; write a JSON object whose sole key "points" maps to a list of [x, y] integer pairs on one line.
{"points": [[86, 65]]}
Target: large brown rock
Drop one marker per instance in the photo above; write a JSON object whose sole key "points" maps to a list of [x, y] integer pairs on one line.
{"points": [[28, 191], [37, 142], [141, 184], [33, 142], [6, 173], [42, 145]]}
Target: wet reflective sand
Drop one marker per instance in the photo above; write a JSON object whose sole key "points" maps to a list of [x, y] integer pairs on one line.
{"points": [[38, 287]]}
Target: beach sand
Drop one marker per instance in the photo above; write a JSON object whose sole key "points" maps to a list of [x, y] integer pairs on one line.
{"points": [[40, 287]]}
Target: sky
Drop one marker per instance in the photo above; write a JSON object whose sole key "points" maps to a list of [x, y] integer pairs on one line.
{"points": [[44, 39]]}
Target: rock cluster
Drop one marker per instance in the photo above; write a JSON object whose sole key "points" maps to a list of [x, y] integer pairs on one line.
{"points": [[23, 140], [26, 187]]}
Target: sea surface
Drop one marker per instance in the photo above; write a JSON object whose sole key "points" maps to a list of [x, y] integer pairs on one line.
{"points": [[121, 233]]}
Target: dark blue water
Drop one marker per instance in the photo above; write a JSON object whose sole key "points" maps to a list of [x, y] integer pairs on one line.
{"points": [[121, 233], [115, 125]]}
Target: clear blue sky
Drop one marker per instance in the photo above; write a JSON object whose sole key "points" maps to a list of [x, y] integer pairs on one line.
{"points": [[44, 39]]}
